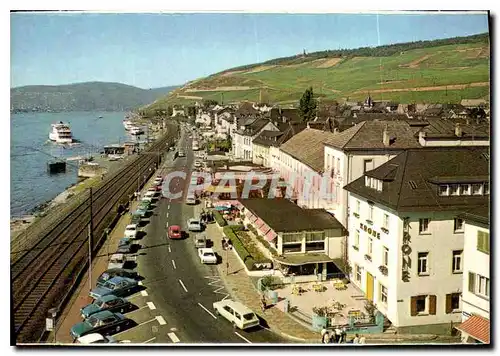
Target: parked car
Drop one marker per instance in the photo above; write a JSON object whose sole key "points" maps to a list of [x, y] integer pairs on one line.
{"points": [[207, 256], [108, 302], [136, 218], [117, 286], [144, 205], [116, 272], [194, 225], [104, 323], [197, 164], [200, 241], [238, 314], [96, 338], [174, 232], [141, 212], [117, 260], [125, 245], [149, 194], [131, 231], [147, 198]]}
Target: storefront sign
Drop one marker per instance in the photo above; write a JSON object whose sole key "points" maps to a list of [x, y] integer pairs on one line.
{"points": [[263, 265], [369, 230]]}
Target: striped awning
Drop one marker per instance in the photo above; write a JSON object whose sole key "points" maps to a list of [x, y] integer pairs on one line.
{"points": [[264, 229], [259, 223], [477, 327], [271, 235], [253, 219]]}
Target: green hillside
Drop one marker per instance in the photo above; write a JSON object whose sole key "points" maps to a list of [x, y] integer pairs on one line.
{"points": [[433, 71], [90, 96]]}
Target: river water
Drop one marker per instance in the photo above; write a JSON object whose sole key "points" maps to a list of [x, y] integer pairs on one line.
{"points": [[30, 184]]}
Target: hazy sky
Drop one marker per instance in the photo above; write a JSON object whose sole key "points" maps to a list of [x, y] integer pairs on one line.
{"points": [[154, 50]]}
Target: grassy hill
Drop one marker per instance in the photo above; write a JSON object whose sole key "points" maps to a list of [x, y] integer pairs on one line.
{"points": [[445, 70], [91, 96]]}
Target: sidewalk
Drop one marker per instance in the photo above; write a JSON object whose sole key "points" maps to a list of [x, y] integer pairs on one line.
{"points": [[240, 287]]}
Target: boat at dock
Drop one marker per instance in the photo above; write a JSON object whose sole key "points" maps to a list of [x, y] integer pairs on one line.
{"points": [[135, 130], [128, 124], [61, 133]]}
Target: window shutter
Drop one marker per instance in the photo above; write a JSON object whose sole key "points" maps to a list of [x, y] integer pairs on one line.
{"points": [[448, 304], [471, 282], [413, 306], [432, 305], [480, 240], [486, 242]]}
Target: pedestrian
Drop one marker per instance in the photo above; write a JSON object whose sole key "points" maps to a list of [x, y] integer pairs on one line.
{"points": [[337, 335], [343, 335], [325, 339], [362, 339], [263, 303], [356, 339], [323, 332]]}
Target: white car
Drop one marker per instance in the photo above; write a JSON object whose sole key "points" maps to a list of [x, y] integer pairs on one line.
{"points": [[131, 231], [150, 194], [238, 314], [194, 225], [148, 199], [117, 261], [190, 200], [96, 338], [207, 255]]}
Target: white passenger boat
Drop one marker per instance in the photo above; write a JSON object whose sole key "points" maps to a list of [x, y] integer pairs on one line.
{"points": [[61, 133]]}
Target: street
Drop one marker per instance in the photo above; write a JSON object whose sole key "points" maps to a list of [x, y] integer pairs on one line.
{"points": [[181, 289]]}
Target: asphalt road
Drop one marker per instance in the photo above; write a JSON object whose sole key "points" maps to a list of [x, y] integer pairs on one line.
{"points": [[181, 288]]}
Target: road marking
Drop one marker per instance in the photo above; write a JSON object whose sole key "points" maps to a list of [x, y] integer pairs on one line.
{"points": [[173, 263], [167, 215], [167, 223], [160, 320], [208, 311], [169, 249], [244, 338], [168, 207], [146, 322], [151, 305], [183, 286], [139, 283], [145, 342], [144, 293], [173, 337]]}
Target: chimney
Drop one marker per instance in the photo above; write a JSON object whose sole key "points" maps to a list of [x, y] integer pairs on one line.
{"points": [[385, 136], [458, 130]]}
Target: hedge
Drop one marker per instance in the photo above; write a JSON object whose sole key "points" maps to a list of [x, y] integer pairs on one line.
{"points": [[239, 247], [219, 219]]}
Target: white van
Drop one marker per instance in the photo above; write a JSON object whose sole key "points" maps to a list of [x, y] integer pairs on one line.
{"points": [[239, 315], [117, 261], [191, 200]]}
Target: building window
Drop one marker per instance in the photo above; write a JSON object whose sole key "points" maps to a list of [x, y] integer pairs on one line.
{"points": [[465, 189], [383, 294], [367, 165], [453, 189], [486, 188], [292, 242], [452, 303], [370, 212], [457, 261], [385, 223], [385, 256], [370, 246], [423, 226], [483, 242], [479, 285], [358, 206], [315, 241], [443, 190], [338, 166], [356, 239], [368, 181], [458, 225], [477, 189], [357, 270], [379, 187], [423, 263], [421, 304]]}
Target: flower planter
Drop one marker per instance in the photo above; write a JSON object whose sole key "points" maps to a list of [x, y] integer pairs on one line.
{"points": [[319, 322]]}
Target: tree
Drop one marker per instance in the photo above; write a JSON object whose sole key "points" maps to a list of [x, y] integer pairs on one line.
{"points": [[191, 111], [307, 107], [170, 111]]}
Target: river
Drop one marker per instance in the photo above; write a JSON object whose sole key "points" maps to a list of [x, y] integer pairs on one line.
{"points": [[30, 184]]}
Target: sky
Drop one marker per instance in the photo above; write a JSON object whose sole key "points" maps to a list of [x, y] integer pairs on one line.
{"points": [[156, 50]]}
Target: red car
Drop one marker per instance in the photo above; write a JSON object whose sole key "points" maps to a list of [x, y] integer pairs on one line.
{"points": [[174, 232]]}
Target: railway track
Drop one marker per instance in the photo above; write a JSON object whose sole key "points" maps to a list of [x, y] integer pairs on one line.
{"points": [[42, 275]]}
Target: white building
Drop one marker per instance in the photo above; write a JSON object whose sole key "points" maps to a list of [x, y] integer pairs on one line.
{"points": [[225, 123], [476, 282], [204, 118], [244, 136], [178, 111], [406, 237]]}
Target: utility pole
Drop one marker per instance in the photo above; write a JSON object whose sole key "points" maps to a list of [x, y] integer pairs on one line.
{"points": [[91, 240]]}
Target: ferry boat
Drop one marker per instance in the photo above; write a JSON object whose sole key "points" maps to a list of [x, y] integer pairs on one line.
{"points": [[134, 130], [128, 124], [61, 133]]}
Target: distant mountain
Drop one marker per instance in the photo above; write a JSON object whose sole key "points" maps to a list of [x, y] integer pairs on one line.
{"points": [[90, 96]]}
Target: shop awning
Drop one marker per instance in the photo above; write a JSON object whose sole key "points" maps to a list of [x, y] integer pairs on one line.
{"points": [[219, 189], [253, 219], [477, 327], [303, 259], [259, 223], [264, 229], [271, 235]]}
